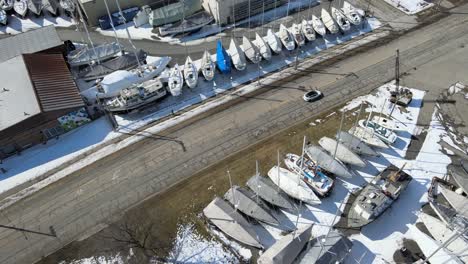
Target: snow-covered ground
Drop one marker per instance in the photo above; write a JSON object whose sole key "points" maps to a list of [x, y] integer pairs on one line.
{"points": [[17, 25], [146, 31], [410, 7], [222, 83]]}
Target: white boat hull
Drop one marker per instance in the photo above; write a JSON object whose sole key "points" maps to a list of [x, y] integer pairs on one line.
{"points": [[237, 56], [308, 30], [250, 50], [366, 135], [296, 32], [286, 38], [340, 19], [389, 123], [291, 184], [190, 73], [329, 22], [273, 41], [175, 81], [318, 26], [21, 7], [207, 66], [262, 47], [351, 13], [342, 152]]}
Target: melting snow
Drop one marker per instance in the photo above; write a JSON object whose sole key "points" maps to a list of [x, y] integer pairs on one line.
{"points": [[410, 7]]}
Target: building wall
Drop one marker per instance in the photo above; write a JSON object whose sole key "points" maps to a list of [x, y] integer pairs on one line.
{"points": [[28, 132], [222, 10], [94, 9]]}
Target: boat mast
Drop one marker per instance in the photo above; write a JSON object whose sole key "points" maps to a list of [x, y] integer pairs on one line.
{"points": [[256, 178], [308, 11], [232, 190], [278, 169], [338, 139], [128, 33], [331, 226], [397, 79], [87, 32], [112, 24], [302, 162]]}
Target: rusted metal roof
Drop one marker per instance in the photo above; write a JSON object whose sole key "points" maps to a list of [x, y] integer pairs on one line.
{"points": [[52, 81]]}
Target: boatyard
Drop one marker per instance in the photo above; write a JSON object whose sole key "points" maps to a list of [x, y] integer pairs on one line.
{"points": [[233, 132]]}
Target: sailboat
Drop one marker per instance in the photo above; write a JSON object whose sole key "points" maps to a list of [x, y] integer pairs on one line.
{"points": [[351, 13], [342, 153], [21, 7], [285, 250], [237, 55], [190, 73], [86, 56], [291, 184], [35, 6], [262, 47], [269, 192], [318, 26], [286, 38], [231, 222], [7, 5], [250, 50], [330, 248], [340, 19], [384, 134], [175, 81], [51, 6], [244, 201], [67, 5], [207, 66], [355, 144], [308, 30], [327, 162], [273, 41], [389, 123], [310, 172], [367, 136], [329, 22], [296, 31], [223, 61], [3, 17]]}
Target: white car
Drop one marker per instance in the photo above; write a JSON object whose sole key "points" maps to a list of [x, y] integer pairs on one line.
{"points": [[312, 96]]}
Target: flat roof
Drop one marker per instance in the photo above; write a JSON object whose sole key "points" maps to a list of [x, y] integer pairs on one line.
{"points": [[17, 97]]}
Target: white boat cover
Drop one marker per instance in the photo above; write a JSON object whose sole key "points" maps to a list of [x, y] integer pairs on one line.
{"points": [[329, 22], [262, 47], [318, 26], [342, 152]]}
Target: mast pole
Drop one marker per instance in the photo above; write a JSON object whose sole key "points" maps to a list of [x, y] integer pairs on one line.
{"points": [[112, 24], [128, 33], [338, 139], [302, 161], [397, 79], [256, 178], [278, 169], [87, 32], [232, 190]]}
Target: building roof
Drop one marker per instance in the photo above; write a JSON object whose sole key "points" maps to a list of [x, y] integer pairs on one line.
{"points": [[29, 42], [52, 81], [17, 98]]}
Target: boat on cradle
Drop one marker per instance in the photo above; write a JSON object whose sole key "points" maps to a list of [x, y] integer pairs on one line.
{"points": [[367, 136], [355, 144], [291, 184], [269, 192], [296, 32], [342, 152], [273, 41], [21, 7], [3, 17], [35, 6], [125, 62], [389, 123], [223, 61], [351, 13], [237, 55], [136, 96], [459, 173], [319, 156], [142, 16], [190, 73], [175, 81], [170, 13], [441, 233], [386, 135], [403, 97], [250, 50], [377, 196], [231, 222], [340, 19], [262, 47], [286, 249], [311, 174], [189, 24], [244, 201], [207, 66], [329, 23], [7, 5], [67, 5], [286, 38], [331, 248], [308, 30], [318, 26], [85, 56], [51, 6]]}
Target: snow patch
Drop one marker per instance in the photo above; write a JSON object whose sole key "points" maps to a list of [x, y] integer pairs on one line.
{"points": [[410, 7], [17, 25]]}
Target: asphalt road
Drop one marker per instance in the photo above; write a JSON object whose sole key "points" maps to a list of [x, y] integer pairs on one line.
{"points": [[82, 203]]}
